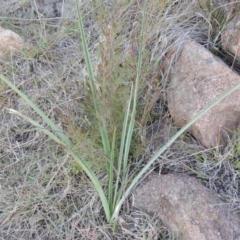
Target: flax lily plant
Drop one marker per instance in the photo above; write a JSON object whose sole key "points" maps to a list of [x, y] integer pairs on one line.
{"points": [[119, 184]]}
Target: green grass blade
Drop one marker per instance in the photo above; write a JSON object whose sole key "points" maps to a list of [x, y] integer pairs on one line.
{"points": [[127, 130], [111, 173], [80, 161], [96, 184], [105, 142], [102, 129], [101, 124], [85, 49], [54, 127], [38, 126], [135, 95], [122, 146], [161, 150]]}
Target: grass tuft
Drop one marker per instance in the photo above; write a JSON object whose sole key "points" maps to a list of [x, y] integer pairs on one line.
{"points": [[69, 173]]}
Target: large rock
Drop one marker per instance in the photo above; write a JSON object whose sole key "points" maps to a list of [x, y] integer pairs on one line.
{"points": [[187, 208], [231, 38], [9, 42], [197, 79]]}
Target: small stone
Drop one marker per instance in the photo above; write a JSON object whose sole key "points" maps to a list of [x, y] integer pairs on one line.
{"points": [[9, 42]]}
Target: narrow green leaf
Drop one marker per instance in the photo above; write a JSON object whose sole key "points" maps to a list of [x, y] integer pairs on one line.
{"points": [[38, 126], [105, 142], [135, 95], [85, 49], [111, 173], [122, 146], [80, 161], [54, 127], [101, 123], [102, 128], [161, 150]]}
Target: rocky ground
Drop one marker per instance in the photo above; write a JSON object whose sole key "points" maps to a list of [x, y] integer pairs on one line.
{"points": [[44, 194]]}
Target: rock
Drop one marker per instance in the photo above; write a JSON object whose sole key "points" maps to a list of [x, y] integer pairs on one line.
{"points": [[9, 42], [186, 207], [197, 79], [231, 38]]}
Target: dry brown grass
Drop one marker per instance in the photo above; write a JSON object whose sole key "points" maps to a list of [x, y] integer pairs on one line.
{"points": [[43, 194]]}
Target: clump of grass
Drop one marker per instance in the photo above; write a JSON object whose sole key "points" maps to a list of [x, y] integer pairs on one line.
{"points": [[111, 105], [108, 136], [217, 17]]}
